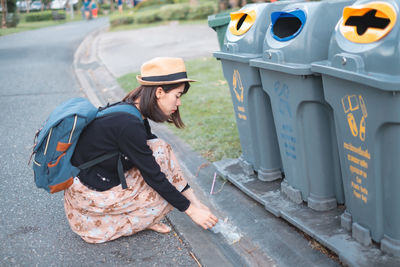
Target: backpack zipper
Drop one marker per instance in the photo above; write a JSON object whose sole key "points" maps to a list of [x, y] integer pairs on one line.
{"points": [[48, 140], [73, 129]]}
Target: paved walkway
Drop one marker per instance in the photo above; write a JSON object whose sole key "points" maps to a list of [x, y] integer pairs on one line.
{"points": [[125, 51]]}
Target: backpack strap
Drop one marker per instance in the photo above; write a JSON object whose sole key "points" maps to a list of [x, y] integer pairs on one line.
{"points": [[119, 107], [96, 161], [121, 174], [102, 112]]}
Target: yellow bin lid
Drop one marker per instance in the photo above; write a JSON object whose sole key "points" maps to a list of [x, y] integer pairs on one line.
{"points": [[241, 21], [368, 23]]}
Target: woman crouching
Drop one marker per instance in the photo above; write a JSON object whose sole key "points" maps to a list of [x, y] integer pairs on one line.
{"points": [[97, 207]]}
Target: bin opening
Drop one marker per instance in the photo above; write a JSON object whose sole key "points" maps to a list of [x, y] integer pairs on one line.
{"points": [[241, 21], [287, 25], [368, 20], [368, 23]]}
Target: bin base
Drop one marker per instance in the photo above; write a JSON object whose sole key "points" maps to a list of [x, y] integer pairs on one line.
{"points": [[361, 234], [324, 226], [246, 166], [269, 175], [321, 204], [249, 184], [292, 193], [345, 221], [390, 246]]}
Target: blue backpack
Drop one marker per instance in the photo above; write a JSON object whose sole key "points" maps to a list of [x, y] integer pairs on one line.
{"points": [[56, 141]]}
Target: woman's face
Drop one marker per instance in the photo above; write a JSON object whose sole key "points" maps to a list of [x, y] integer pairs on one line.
{"points": [[169, 102]]}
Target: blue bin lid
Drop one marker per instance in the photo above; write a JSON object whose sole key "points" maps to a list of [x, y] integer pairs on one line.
{"points": [[286, 25], [299, 35]]}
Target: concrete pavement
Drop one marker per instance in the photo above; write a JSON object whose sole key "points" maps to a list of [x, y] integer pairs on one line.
{"points": [[252, 237], [123, 52]]}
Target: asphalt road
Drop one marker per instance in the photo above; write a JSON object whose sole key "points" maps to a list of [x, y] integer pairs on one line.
{"points": [[36, 75]]}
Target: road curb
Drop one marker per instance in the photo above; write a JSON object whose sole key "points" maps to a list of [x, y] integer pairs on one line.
{"points": [[95, 80]]}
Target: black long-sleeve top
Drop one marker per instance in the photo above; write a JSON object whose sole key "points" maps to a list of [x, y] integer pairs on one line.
{"points": [[125, 133]]}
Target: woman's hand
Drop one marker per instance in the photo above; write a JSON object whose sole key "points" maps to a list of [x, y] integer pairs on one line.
{"points": [[201, 215], [198, 212]]}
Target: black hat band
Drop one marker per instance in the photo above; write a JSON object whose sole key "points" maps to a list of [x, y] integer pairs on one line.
{"points": [[166, 78]]}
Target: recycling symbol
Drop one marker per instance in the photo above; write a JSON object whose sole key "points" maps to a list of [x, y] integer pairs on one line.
{"points": [[237, 86]]}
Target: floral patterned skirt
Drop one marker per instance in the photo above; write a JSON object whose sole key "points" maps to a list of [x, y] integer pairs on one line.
{"points": [[98, 217]]}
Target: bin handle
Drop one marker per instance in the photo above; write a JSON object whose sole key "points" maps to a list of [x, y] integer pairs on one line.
{"points": [[241, 21], [353, 25]]}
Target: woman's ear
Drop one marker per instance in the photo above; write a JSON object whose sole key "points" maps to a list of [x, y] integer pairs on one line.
{"points": [[159, 92]]}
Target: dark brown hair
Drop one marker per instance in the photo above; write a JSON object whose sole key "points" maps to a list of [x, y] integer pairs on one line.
{"points": [[148, 102]]}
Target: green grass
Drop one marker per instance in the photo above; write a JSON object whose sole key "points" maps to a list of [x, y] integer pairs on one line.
{"points": [[154, 24], [206, 109], [196, 21], [27, 26], [128, 27], [128, 81]]}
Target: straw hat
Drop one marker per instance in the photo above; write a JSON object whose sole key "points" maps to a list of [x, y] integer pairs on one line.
{"points": [[163, 70]]}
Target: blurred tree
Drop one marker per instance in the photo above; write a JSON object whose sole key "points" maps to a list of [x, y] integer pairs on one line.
{"points": [[7, 6], [4, 14], [227, 4], [11, 6], [28, 5], [223, 5], [45, 4]]}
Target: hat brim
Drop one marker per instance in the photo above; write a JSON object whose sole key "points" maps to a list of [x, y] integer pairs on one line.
{"points": [[142, 82]]}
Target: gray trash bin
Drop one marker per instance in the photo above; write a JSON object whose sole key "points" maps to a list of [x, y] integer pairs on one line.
{"points": [[299, 35], [243, 41], [361, 81]]}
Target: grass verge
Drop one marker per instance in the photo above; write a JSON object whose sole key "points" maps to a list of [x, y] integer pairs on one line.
{"points": [[128, 27], [154, 24], [207, 111]]}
